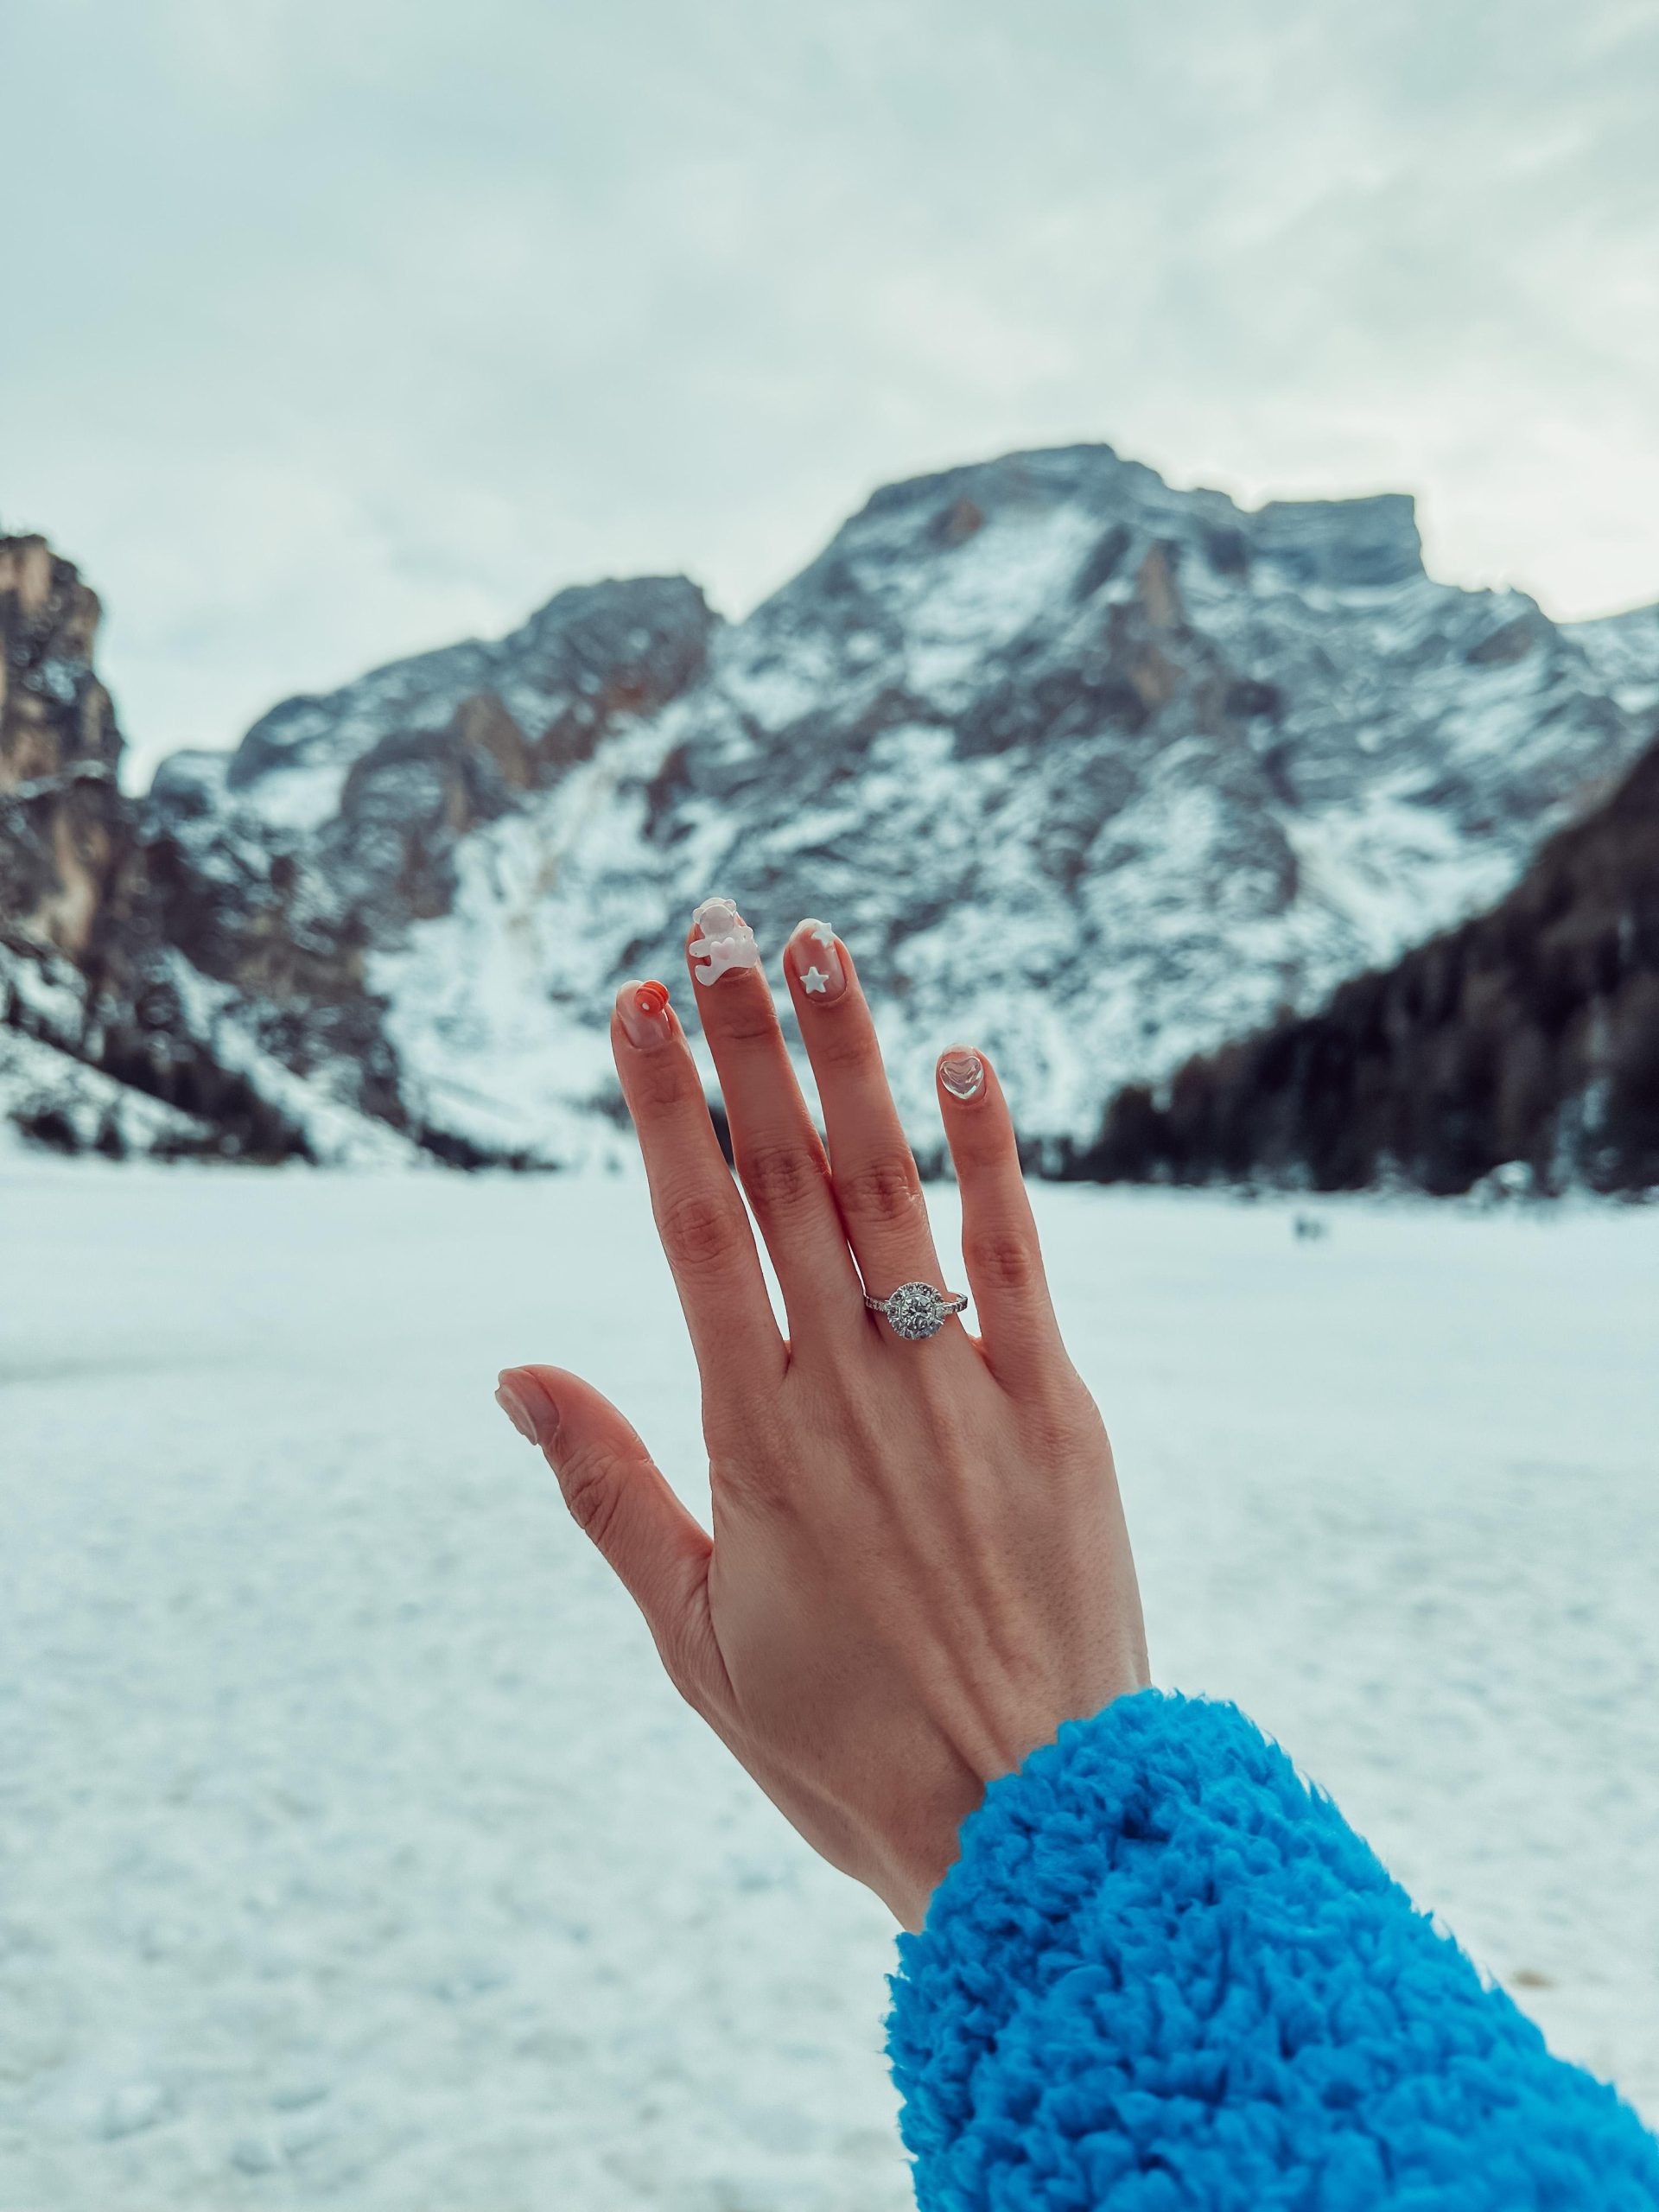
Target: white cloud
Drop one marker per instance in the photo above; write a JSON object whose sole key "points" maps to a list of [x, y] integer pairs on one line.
{"points": [[335, 329]]}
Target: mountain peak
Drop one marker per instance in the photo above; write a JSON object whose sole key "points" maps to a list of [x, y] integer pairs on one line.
{"points": [[1366, 542], [1096, 770], [993, 544], [591, 652]]}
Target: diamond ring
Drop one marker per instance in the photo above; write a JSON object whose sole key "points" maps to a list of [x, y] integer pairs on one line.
{"points": [[916, 1309]]}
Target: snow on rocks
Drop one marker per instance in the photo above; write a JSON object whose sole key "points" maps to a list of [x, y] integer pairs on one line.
{"points": [[1100, 771]]}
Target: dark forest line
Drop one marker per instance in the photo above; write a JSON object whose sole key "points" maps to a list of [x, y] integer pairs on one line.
{"points": [[1529, 1035]]}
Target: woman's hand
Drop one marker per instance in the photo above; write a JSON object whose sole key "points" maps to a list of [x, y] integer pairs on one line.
{"points": [[920, 1565]]}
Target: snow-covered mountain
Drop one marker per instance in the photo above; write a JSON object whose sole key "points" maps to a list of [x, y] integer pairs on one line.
{"points": [[1093, 771], [110, 1035], [1518, 1051]]}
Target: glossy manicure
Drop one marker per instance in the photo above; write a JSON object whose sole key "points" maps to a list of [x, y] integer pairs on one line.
{"points": [[723, 944], [642, 1010], [961, 1071], [815, 958]]}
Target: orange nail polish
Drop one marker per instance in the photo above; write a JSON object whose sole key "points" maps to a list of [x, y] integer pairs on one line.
{"points": [[642, 1010]]}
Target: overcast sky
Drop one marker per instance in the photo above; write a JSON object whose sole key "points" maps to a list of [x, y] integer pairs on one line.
{"points": [[334, 328]]}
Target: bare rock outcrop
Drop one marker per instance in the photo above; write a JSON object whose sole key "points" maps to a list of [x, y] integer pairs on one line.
{"points": [[1100, 771]]}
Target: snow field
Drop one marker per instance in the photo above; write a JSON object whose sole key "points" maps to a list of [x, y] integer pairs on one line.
{"points": [[352, 1850]]}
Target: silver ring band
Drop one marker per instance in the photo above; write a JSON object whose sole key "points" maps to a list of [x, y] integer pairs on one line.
{"points": [[916, 1309]]}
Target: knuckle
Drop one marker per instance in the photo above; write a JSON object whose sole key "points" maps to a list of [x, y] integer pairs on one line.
{"points": [[751, 1464], [781, 1178], [883, 1189], [590, 1482], [1002, 1259], [662, 1088], [988, 1147], [726, 1427], [946, 1425], [1066, 1424], [699, 1231], [850, 1048], [747, 1017], [762, 1485]]}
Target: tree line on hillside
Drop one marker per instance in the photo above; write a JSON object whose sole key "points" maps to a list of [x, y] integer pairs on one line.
{"points": [[1529, 1035]]}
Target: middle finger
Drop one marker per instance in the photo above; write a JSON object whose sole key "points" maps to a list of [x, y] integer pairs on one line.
{"points": [[779, 1159]]}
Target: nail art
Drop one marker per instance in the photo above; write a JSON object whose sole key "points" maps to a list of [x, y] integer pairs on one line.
{"points": [[961, 1071], [724, 941], [815, 957], [642, 1010]]}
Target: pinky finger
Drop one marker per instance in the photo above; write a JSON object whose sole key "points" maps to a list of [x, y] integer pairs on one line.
{"points": [[999, 1249]]}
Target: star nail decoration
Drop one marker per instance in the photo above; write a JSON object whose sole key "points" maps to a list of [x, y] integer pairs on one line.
{"points": [[815, 979], [824, 933]]}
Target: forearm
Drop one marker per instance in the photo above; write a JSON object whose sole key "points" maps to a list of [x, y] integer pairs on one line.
{"points": [[1164, 1974]]}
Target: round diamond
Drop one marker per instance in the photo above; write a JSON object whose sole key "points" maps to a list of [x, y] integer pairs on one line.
{"points": [[916, 1309]]}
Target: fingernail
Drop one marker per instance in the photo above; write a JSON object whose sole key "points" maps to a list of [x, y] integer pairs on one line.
{"points": [[642, 1010], [524, 1399], [961, 1071], [815, 957], [724, 941]]}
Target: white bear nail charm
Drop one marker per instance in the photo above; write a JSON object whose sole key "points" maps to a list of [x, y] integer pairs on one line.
{"points": [[724, 941]]}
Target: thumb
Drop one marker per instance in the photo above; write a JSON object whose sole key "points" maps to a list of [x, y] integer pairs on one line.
{"points": [[618, 1494]]}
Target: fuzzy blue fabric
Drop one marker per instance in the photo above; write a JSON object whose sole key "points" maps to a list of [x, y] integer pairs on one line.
{"points": [[1164, 1974]]}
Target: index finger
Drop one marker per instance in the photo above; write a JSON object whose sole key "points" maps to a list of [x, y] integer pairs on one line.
{"points": [[699, 1212]]}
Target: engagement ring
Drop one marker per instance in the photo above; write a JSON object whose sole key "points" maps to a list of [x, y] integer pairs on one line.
{"points": [[916, 1309]]}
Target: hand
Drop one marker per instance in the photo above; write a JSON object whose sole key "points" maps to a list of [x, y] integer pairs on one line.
{"points": [[920, 1565]]}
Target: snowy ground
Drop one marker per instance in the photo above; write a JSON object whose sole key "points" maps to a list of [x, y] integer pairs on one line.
{"points": [[352, 1851]]}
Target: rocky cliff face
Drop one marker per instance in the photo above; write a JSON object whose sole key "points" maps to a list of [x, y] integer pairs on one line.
{"points": [[1096, 772], [64, 830], [1523, 1044], [100, 1042], [66, 842], [290, 872]]}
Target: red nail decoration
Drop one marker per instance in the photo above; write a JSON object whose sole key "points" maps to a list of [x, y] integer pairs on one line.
{"points": [[651, 998]]}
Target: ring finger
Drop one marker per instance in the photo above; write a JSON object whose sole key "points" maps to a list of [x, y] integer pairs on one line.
{"points": [[780, 1158], [876, 1184]]}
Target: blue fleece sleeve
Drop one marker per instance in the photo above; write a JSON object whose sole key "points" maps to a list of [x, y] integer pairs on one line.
{"points": [[1165, 1976]]}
